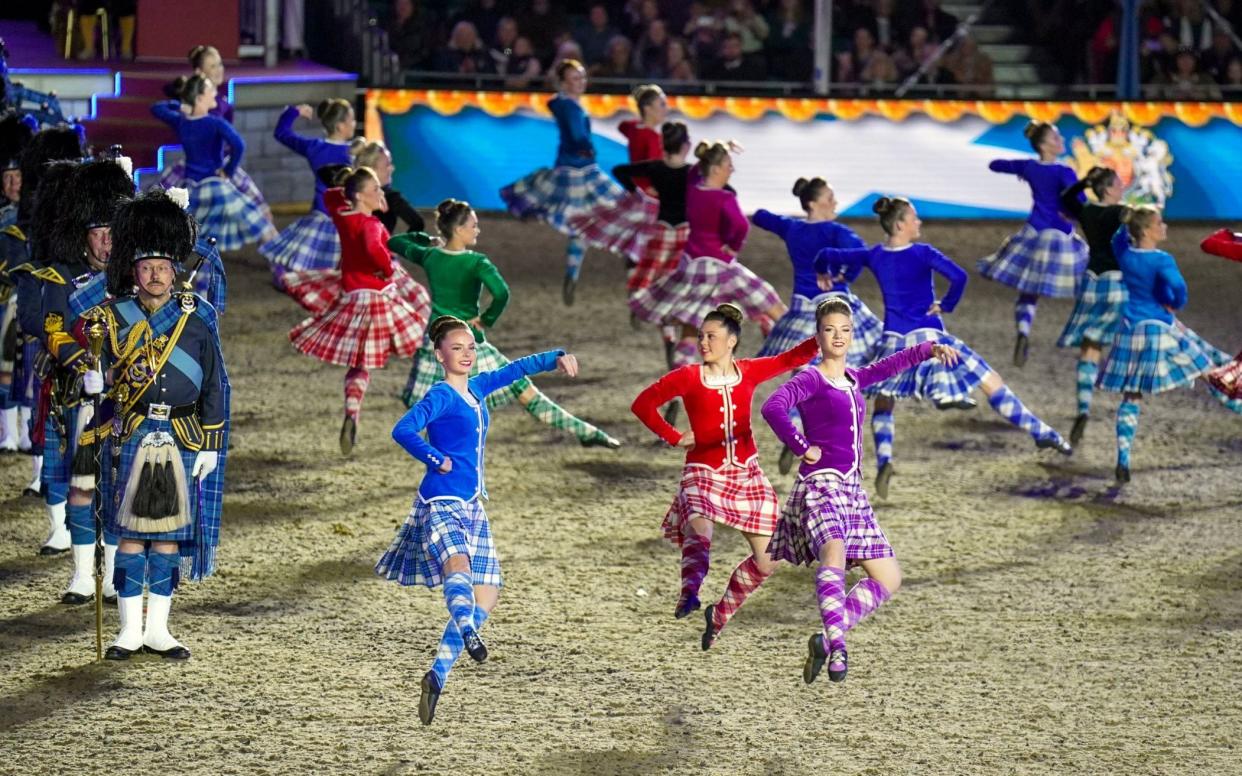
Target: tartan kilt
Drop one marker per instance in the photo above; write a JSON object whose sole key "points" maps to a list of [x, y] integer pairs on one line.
{"points": [[823, 507], [733, 496], [361, 328], [1228, 378], [622, 227], [1097, 311], [174, 177], [798, 323], [315, 290], [697, 287], [661, 254], [58, 466], [1152, 356], [309, 243], [554, 195], [432, 533], [427, 371], [224, 213], [125, 470], [1044, 263], [931, 379]]}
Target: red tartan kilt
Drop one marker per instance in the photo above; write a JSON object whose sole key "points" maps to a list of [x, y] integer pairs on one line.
{"points": [[315, 290], [661, 255], [1228, 378], [739, 498], [362, 328]]}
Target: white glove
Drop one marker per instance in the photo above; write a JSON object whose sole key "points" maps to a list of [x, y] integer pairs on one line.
{"points": [[204, 464], [92, 382]]}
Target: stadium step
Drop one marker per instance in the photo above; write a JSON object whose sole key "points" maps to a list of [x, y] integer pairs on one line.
{"points": [[992, 33], [1011, 53], [1022, 74]]}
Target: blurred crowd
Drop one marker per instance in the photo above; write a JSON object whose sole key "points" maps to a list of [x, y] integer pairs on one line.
{"points": [[876, 41]]}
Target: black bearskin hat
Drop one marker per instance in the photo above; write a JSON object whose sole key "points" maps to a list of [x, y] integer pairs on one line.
{"points": [[98, 189], [14, 136], [49, 145], [148, 225], [49, 240]]}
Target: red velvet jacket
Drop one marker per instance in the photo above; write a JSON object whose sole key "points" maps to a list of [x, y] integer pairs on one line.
{"points": [[365, 260], [1223, 243], [645, 145], [719, 414]]}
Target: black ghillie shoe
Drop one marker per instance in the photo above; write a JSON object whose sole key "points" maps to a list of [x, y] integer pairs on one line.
{"points": [[709, 632], [77, 599], [838, 665], [961, 404], [785, 465], [349, 435], [600, 439], [119, 653], [429, 697], [687, 607], [882, 479], [474, 644], [815, 658], [1122, 473], [1080, 426], [1021, 348], [1054, 442]]}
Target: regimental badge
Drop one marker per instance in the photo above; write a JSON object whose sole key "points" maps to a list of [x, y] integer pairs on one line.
{"points": [[1139, 158], [188, 302], [53, 323]]}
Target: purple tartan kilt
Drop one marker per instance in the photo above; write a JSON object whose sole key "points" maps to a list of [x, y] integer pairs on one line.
{"points": [[698, 285], [309, 243], [823, 507], [226, 214], [798, 323], [1047, 262]]}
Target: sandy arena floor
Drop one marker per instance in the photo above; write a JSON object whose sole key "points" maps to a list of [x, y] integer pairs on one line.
{"points": [[1048, 622]]}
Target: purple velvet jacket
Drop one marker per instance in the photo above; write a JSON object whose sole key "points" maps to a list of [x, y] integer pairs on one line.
{"points": [[833, 417]]}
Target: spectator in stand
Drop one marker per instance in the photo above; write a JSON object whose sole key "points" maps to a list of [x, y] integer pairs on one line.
{"points": [[465, 53], [651, 53], [918, 50], [595, 35], [1104, 45], [789, 42], [968, 66], [1159, 60], [567, 49], [1190, 25], [732, 65], [412, 33], [1216, 59], [1233, 78], [680, 67], [522, 66], [618, 60], [1187, 82], [884, 26], [928, 13], [749, 26], [703, 30], [542, 24], [865, 63], [502, 44], [485, 15]]}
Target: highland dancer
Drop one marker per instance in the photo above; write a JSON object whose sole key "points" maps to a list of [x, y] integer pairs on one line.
{"points": [[624, 226], [457, 275], [81, 246], [446, 540], [827, 518], [709, 273], [1046, 257], [912, 312], [575, 185], [376, 156], [1153, 352], [369, 308], [1228, 378], [311, 242], [721, 482], [206, 62], [219, 207], [1103, 294], [170, 392]]}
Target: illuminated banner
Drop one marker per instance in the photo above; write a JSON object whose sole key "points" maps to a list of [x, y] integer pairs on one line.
{"points": [[1186, 157]]}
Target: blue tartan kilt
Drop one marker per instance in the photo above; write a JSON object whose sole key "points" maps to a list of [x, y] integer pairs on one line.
{"points": [[1153, 357], [553, 195], [226, 214], [58, 466], [434, 531], [1097, 312], [125, 470], [931, 379], [798, 323], [309, 243], [26, 383], [1048, 262]]}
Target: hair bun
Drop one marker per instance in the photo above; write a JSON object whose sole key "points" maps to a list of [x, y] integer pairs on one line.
{"points": [[446, 206], [880, 205], [701, 149], [1030, 129], [322, 108], [731, 311], [800, 186], [444, 323], [1127, 214]]}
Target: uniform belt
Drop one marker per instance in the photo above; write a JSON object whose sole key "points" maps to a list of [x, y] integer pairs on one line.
{"points": [[164, 411]]}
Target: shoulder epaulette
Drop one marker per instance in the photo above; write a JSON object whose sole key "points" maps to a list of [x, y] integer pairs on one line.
{"points": [[50, 275], [13, 230], [25, 266]]}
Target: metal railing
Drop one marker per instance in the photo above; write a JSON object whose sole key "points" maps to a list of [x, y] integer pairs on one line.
{"points": [[963, 29]]}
